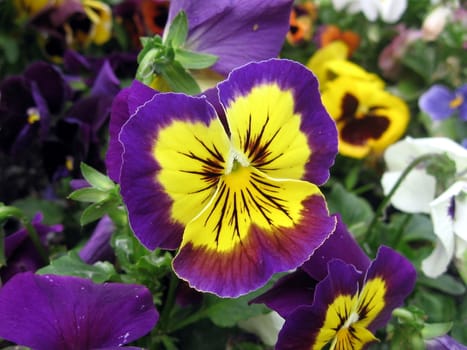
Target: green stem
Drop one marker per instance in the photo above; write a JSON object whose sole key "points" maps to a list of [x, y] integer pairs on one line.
{"points": [[400, 231], [386, 200], [189, 320], [169, 302], [403, 314]]}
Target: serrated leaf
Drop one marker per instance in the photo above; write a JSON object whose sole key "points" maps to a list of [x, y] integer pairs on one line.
{"points": [[178, 30], [95, 211], [179, 79], [72, 265], [194, 60], [88, 195], [96, 179]]}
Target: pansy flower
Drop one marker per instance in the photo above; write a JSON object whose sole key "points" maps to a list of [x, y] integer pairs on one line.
{"points": [[389, 11], [350, 305], [368, 118], [339, 297], [72, 23], [440, 102], [239, 198], [302, 17], [49, 312], [418, 194], [330, 33]]}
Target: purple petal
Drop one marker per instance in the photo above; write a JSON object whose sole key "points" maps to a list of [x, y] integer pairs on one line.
{"points": [[316, 123], [98, 248], [463, 107], [444, 342], [435, 102], [51, 312], [288, 293], [399, 277], [340, 245], [50, 83], [124, 105], [106, 83], [149, 206], [221, 28]]}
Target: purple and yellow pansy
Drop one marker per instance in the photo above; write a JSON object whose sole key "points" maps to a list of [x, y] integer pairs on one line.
{"points": [[231, 177], [339, 298]]}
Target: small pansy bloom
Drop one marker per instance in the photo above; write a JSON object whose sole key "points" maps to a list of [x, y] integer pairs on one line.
{"points": [[339, 297], [236, 192], [350, 305], [50, 312], [368, 118], [440, 102], [302, 17]]}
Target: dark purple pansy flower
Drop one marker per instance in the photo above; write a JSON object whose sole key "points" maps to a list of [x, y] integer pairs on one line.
{"points": [[49, 312], [440, 102], [246, 193], [222, 28], [20, 252], [27, 103]]}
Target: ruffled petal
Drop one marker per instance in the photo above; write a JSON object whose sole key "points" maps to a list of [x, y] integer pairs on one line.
{"points": [[253, 227], [173, 156], [392, 273], [277, 120]]}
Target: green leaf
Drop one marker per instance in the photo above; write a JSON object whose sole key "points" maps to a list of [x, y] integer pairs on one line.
{"points": [[194, 60], [88, 195], [227, 312], [178, 31], [356, 212], [432, 330], [10, 48], [96, 211], [179, 79], [72, 265], [53, 211], [96, 179], [444, 283]]}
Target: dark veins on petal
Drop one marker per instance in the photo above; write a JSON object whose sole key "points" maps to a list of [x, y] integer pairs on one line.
{"points": [[236, 205], [257, 149], [358, 131]]}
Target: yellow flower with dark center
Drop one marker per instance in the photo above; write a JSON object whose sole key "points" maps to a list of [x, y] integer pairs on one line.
{"points": [[368, 118]]}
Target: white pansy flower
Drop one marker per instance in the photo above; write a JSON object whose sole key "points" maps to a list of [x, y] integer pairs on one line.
{"points": [[417, 194], [388, 10]]}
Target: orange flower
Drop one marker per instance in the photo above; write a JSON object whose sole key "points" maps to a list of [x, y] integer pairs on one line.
{"points": [[332, 33], [301, 22]]}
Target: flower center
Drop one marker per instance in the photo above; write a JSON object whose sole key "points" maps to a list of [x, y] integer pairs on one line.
{"points": [[235, 160], [456, 102]]}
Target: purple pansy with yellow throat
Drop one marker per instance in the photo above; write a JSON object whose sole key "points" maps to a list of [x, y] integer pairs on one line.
{"points": [[239, 197], [338, 298], [350, 305]]}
